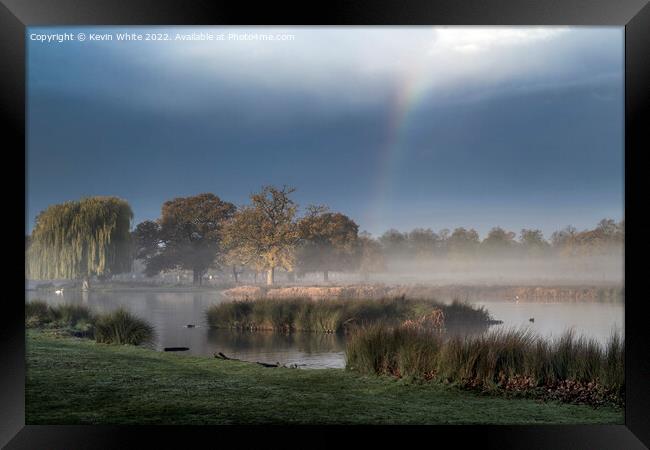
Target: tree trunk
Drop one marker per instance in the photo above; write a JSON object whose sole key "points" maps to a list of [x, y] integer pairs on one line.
{"points": [[196, 274], [234, 273], [255, 277], [326, 275], [270, 276]]}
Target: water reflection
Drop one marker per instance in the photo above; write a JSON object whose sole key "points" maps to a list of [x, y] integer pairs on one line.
{"points": [[171, 312]]}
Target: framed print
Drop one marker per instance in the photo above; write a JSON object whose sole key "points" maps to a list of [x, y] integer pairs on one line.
{"points": [[360, 217]]}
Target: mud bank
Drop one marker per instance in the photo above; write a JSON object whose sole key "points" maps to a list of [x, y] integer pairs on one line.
{"points": [[449, 292]]}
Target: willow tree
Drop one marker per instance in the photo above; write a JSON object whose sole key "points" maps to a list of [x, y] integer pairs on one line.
{"points": [[79, 239]]}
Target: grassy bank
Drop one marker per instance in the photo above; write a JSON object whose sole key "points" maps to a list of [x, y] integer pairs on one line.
{"points": [[569, 368], [335, 315], [74, 381], [116, 327]]}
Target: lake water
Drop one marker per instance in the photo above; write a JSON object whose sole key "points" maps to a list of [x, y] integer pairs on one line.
{"points": [[170, 312]]}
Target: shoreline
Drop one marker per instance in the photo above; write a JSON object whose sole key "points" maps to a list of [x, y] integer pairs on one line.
{"points": [[75, 381]]}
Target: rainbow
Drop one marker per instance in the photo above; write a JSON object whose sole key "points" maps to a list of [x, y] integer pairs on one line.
{"points": [[408, 96]]}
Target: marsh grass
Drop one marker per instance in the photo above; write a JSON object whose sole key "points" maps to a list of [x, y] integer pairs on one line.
{"points": [[568, 368], [121, 327], [117, 327], [334, 315], [67, 316], [37, 313]]}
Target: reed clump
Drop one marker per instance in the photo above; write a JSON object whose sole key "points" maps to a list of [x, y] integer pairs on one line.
{"points": [[122, 328], [117, 327], [337, 315], [513, 361], [39, 314]]}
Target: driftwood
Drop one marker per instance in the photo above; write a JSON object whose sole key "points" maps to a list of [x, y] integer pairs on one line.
{"points": [[176, 349], [220, 355], [268, 365]]}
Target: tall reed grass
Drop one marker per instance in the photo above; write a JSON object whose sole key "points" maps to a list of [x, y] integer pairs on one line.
{"points": [[335, 315], [40, 314], [117, 327], [511, 359], [121, 327]]}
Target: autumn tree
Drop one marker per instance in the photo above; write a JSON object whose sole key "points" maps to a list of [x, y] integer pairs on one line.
{"points": [[237, 255], [81, 239], [265, 234], [327, 242], [187, 236]]}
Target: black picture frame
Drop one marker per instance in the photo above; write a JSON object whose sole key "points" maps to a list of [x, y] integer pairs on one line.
{"points": [[16, 15]]}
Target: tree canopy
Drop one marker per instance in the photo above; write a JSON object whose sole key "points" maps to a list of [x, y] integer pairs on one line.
{"points": [[80, 239], [328, 242], [188, 235], [265, 233]]}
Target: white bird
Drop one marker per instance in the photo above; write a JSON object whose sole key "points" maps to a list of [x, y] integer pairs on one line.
{"points": [[59, 291]]}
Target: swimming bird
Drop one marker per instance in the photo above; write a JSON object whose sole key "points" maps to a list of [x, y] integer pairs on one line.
{"points": [[532, 319], [59, 291]]}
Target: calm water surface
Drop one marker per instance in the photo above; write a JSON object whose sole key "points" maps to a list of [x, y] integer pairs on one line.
{"points": [[171, 312]]}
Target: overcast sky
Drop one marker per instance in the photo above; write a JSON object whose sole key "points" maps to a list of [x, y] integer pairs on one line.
{"points": [[397, 127]]}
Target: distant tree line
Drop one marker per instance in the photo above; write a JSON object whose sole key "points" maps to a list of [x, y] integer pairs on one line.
{"points": [[423, 243], [90, 237]]}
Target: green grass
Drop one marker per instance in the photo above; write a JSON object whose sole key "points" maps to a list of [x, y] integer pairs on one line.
{"points": [[77, 381], [335, 315], [500, 360]]}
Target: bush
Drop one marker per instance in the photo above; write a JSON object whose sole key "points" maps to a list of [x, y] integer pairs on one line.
{"points": [[121, 327]]}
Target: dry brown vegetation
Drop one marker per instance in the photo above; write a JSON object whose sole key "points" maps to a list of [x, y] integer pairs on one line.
{"points": [[523, 293]]}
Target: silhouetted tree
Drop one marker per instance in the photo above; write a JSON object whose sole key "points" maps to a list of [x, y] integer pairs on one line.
{"points": [[328, 242], [370, 254], [187, 236], [533, 242], [422, 243], [463, 242], [395, 243], [498, 241]]}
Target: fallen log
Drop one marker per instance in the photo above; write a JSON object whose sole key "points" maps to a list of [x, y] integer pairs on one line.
{"points": [[268, 365], [222, 356]]}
